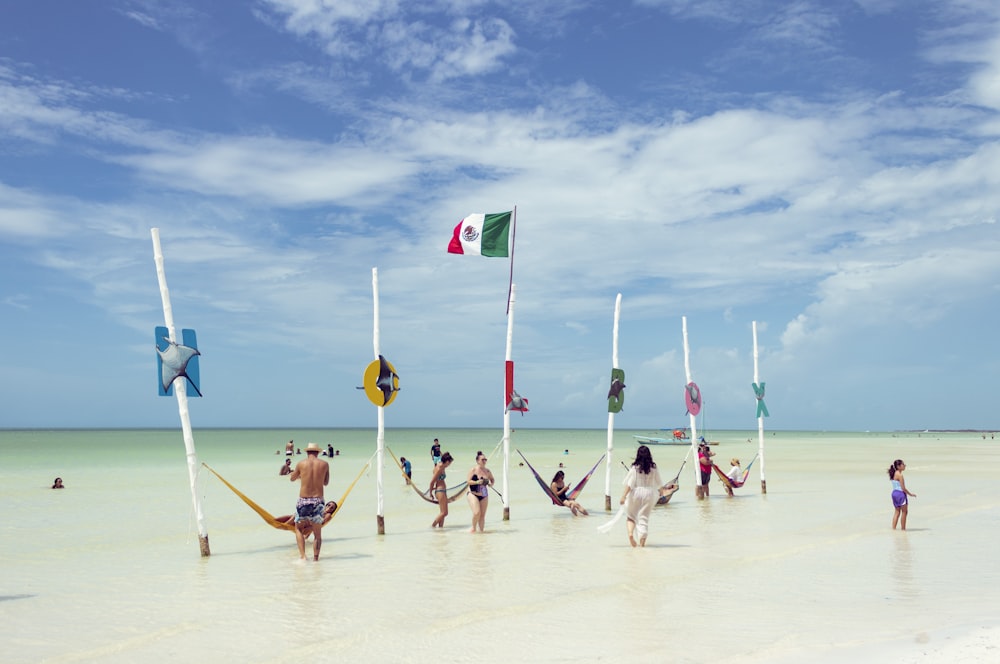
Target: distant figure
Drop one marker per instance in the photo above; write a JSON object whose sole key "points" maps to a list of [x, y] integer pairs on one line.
{"points": [[642, 488], [58, 484], [407, 468], [899, 493], [315, 474], [298, 450], [329, 450], [439, 490], [479, 480], [558, 486], [436, 452], [705, 466], [286, 468], [289, 448], [565, 451]]}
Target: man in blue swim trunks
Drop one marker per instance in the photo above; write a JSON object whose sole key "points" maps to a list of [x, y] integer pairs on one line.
{"points": [[315, 474]]}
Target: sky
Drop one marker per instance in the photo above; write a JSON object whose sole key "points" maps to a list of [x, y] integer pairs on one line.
{"points": [[827, 169]]}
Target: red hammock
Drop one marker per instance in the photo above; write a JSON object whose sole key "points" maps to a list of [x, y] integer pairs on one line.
{"points": [[730, 482]]}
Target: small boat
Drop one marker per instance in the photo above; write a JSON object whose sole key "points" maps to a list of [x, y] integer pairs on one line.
{"points": [[655, 440]]}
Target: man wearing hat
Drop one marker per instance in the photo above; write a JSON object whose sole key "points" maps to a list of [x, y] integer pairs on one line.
{"points": [[315, 474]]}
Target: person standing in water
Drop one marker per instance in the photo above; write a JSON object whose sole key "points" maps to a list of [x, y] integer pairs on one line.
{"points": [[315, 474], [439, 489], [642, 489], [899, 493], [479, 480]]}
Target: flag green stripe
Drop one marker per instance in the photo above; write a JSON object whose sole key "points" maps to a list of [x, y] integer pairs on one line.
{"points": [[496, 229]]}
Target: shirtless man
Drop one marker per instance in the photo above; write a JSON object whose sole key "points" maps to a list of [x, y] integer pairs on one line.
{"points": [[315, 474]]}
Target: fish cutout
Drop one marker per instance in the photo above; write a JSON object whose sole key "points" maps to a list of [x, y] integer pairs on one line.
{"points": [[761, 406], [616, 395], [692, 398], [381, 382], [517, 402], [176, 360]]}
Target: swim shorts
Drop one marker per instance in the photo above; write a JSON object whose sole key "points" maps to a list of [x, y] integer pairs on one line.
{"points": [[898, 498], [309, 509]]}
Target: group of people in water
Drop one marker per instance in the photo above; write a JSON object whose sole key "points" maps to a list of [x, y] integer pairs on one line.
{"points": [[643, 488]]}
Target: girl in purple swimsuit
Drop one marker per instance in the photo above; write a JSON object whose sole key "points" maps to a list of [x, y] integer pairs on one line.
{"points": [[899, 493]]}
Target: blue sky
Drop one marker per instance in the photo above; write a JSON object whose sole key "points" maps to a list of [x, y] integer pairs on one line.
{"points": [[828, 169]]}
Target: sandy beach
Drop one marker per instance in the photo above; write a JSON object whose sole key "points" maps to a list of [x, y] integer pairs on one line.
{"points": [[809, 570]]}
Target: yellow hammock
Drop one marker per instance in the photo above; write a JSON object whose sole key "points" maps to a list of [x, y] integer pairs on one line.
{"points": [[268, 517], [459, 489]]}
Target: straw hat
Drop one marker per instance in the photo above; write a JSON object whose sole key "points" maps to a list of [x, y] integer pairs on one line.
{"points": [[734, 461], [312, 447]]}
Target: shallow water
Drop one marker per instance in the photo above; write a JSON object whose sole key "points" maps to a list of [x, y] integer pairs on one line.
{"points": [[109, 568]]}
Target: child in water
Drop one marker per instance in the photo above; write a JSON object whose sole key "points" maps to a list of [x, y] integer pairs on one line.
{"points": [[899, 493]]}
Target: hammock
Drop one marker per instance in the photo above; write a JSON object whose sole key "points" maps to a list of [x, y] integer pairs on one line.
{"points": [[268, 517], [730, 482], [452, 497], [571, 494]]}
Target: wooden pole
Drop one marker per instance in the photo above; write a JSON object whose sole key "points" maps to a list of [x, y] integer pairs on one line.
{"points": [[512, 300], [699, 489], [611, 416], [760, 417], [380, 437], [180, 391]]}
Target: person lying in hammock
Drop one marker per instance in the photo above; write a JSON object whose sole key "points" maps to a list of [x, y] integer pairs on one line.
{"points": [[559, 488], [667, 492], [306, 526]]}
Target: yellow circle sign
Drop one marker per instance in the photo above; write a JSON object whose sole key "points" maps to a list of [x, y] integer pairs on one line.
{"points": [[381, 382]]}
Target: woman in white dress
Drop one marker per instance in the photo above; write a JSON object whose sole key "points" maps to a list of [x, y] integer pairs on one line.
{"points": [[642, 488]]}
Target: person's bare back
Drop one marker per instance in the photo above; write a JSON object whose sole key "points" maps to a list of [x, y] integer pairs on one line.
{"points": [[314, 473]]}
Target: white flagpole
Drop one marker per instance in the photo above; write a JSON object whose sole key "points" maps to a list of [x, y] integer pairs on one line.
{"points": [[380, 438], [180, 390], [506, 411], [611, 416], [760, 418], [694, 419]]}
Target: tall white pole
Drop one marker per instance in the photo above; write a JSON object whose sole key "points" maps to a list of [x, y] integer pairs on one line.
{"points": [[506, 411], [380, 438], [760, 416], [180, 390], [611, 416], [693, 418]]}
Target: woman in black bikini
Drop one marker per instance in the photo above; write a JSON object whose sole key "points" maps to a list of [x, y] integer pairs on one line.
{"points": [[479, 480], [439, 490], [559, 488]]}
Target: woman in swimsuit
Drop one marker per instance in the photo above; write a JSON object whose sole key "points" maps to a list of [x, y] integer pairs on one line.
{"points": [[439, 490], [558, 486], [899, 493], [479, 480]]}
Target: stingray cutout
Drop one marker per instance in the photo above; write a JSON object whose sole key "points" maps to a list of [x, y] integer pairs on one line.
{"points": [[174, 361], [387, 380], [517, 402]]}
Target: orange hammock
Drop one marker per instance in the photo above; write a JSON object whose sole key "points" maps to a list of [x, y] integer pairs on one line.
{"points": [[268, 517], [459, 489], [729, 482]]}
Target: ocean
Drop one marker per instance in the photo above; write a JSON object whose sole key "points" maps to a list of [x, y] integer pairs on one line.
{"points": [[109, 569]]}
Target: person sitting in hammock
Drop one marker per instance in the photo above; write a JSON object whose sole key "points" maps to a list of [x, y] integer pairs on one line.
{"points": [[735, 473], [559, 488], [306, 526]]}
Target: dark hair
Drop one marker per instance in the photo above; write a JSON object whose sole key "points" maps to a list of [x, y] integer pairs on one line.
{"points": [[558, 476], [479, 454], [643, 460], [446, 457], [894, 467]]}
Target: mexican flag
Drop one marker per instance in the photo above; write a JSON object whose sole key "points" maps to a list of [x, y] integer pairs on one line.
{"points": [[482, 234]]}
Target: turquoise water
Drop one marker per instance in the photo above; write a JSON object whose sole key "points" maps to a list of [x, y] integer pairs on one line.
{"points": [[113, 560]]}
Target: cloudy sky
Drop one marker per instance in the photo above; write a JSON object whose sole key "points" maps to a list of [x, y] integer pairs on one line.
{"points": [[827, 168]]}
